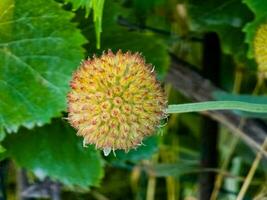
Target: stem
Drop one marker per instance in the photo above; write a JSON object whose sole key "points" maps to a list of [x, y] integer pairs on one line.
{"points": [[22, 183], [217, 105], [251, 172], [209, 140], [210, 129], [170, 188], [238, 81], [3, 177], [259, 83], [55, 189], [151, 188], [220, 176]]}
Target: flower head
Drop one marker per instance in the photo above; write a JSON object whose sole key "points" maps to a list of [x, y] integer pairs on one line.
{"points": [[115, 101]]}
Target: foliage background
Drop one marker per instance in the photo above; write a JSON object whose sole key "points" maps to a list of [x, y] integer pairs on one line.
{"points": [[43, 42]]}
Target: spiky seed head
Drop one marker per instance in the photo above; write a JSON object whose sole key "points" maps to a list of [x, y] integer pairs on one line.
{"points": [[260, 47], [115, 101]]}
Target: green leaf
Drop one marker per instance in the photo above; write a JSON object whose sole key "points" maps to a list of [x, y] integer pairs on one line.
{"points": [[259, 9], [39, 49], [54, 150], [76, 4], [2, 149], [218, 105], [116, 37], [143, 7], [175, 169], [97, 7], [143, 152], [226, 18]]}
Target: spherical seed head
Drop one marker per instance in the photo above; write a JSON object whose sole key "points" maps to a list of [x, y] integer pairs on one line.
{"points": [[260, 47], [115, 101]]}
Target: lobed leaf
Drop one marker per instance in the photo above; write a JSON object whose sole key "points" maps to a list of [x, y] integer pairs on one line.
{"points": [[54, 150], [39, 49]]}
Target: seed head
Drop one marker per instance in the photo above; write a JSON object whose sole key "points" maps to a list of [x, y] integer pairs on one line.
{"points": [[115, 101], [260, 47]]}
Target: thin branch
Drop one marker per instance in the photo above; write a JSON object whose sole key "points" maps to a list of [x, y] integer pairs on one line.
{"points": [[137, 27], [251, 173], [22, 183]]}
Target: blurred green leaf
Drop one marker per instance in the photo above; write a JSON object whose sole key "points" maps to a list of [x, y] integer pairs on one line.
{"points": [[223, 96], [98, 6], [116, 37], [142, 152], [226, 18], [142, 8], [259, 9], [76, 4], [2, 149], [39, 49], [175, 169], [55, 151]]}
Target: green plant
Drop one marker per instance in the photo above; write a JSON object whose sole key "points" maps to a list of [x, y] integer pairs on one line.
{"points": [[43, 42]]}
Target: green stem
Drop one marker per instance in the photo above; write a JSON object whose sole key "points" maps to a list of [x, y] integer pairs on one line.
{"points": [[217, 105]]}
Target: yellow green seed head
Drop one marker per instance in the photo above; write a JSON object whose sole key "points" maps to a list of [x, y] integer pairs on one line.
{"points": [[260, 47], [115, 101]]}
